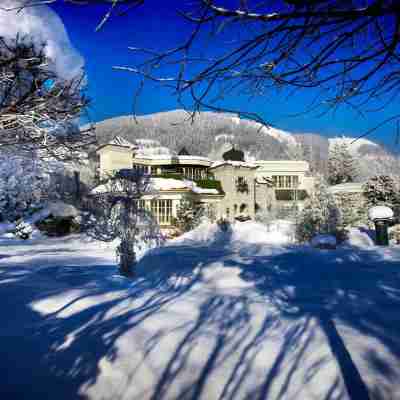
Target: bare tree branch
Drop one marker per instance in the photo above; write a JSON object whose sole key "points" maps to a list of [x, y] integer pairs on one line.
{"points": [[37, 107]]}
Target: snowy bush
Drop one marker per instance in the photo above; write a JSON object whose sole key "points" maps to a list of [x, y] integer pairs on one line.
{"points": [[188, 215], [265, 216], [24, 183], [23, 230], [116, 213], [319, 216], [382, 190], [394, 233], [352, 209]]}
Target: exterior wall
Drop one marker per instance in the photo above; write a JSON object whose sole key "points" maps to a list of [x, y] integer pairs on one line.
{"points": [[114, 158], [271, 169], [230, 206]]}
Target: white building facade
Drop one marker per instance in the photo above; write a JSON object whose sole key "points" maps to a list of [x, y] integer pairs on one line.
{"points": [[227, 189]]}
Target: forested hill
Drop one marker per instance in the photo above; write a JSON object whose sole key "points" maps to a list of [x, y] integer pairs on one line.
{"points": [[205, 136], [210, 134]]}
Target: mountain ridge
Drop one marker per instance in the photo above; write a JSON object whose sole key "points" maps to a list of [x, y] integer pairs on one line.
{"points": [[210, 134]]}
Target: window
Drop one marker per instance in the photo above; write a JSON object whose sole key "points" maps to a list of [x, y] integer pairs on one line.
{"points": [[153, 170], [140, 204], [241, 185], [141, 168], [162, 211], [193, 173], [285, 181]]}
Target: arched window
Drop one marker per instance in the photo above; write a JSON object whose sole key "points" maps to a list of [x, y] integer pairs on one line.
{"points": [[235, 209], [243, 208]]}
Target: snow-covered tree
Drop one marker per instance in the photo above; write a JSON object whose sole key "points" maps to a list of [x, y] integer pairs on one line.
{"points": [[342, 167], [116, 212], [320, 214], [189, 215], [24, 185], [382, 190], [352, 209]]}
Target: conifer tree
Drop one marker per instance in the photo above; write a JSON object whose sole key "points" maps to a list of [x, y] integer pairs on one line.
{"points": [[320, 215], [382, 190], [342, 167], [188, 215]]}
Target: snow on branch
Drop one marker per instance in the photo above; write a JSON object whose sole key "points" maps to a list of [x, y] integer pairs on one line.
{"points": [[37, 106]]}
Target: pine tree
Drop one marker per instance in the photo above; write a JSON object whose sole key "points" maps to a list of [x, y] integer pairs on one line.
{"points": [[342, 167], [320, 215], [188, 215], [382, 190], [351, 208]]}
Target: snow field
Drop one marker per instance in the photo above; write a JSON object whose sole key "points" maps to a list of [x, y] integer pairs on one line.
{"points": [[212, 315]]}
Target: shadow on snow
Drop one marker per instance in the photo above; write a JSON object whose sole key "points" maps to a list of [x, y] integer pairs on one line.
{"points": [[309, 291]]}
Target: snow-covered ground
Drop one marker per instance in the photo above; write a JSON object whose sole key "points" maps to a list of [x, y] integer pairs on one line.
{"points": [[242, 314]]}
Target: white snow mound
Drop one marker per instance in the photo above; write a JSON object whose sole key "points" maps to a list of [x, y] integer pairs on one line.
{"points": [[357, 238], [323, 240], [380, 212]]}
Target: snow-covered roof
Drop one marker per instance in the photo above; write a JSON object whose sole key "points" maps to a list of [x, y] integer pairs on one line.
{"points": [[167, 159], [61, 209], [349, 187], [175, 184], [119, 141], [165, 184], [243, 164], [168, 184], [282, 166]]}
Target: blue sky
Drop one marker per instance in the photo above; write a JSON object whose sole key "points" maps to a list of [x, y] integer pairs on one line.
{"points": [[112, 92]]}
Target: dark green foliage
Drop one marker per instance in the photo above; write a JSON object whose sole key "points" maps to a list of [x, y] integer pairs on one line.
{"points": [[383, 190], [233, 155], [289, 194], [210, 184], [56, 226]]}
